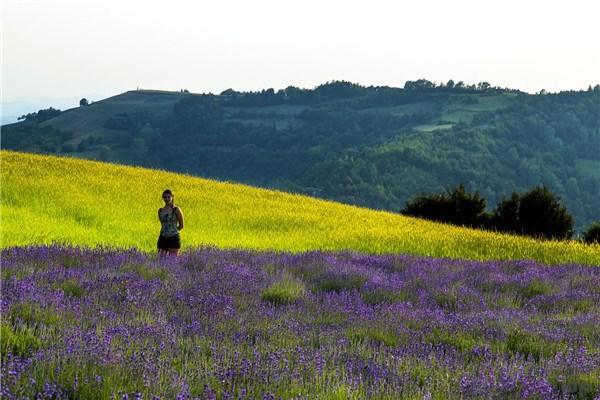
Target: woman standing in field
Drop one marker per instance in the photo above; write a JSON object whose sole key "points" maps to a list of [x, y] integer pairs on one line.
{"points": [[171, 220]]}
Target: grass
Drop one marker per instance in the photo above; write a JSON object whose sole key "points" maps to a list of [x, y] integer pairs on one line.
{"points": [[373, 334], [529, 345], [20, 340], [580, 386], [72, 288], [332, 283], [284, 291], [46, 199]]}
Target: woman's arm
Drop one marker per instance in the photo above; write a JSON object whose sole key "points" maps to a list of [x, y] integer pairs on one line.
{"points": [[179, 218]]}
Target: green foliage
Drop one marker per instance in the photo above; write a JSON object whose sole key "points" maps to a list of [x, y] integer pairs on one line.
{"points": [[457, 207], [530, 345], [72, 287], [31, 315], [577, 385], [505, 217], [129, 121], [374, 335], [542, 215], [447, 300], [21, 340], [28, 136], [271, 269], [462, 341], [340, 392], [69, 262], [284, 291], [566, 305], [535, 288], [592, 233], [361, 145], [146, 272], [337, 283], [379, 296], [40, 116], [537, 213]]}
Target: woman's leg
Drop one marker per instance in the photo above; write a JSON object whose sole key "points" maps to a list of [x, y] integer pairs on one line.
{"points": [[174, 252]]}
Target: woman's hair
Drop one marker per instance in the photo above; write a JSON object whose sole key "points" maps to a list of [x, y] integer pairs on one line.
{"points": [[168, 191]]}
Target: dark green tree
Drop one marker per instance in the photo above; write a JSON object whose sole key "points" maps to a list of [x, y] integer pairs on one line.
{"points": [[456, 206], [541, 214], [592, 233], [505, 216]]}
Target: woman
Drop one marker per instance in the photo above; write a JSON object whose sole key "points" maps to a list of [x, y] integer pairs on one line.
{"points": [[171, 220]]}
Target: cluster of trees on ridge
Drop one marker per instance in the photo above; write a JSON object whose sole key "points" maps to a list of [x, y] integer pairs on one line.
{"points": [[537, 213], [359, 145]]}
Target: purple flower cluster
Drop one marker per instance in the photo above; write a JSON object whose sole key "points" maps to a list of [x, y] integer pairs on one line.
{"points": [[82, 323]]}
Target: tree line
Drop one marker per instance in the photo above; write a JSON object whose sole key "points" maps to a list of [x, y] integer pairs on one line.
{"points": [[538, 213], [368, 146]]}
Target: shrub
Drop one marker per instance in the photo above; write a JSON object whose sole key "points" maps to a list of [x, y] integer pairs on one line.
{"points": [[285, 291], [72, 288], [447, 300], [535, 288], [505, 216], [530, 345], [536, 213], [542, 215], [592, 233], [332, 283], [375, 335], [461, 341], [456, 207]]}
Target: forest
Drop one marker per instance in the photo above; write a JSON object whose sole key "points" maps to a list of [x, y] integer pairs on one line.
{"points": [[370, 146]]}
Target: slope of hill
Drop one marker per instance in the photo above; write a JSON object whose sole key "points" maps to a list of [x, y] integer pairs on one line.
{"points": [[48, 199], [370, 146]]}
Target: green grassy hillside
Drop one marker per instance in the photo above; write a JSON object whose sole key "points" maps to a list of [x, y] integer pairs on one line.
{"points": [[49, 199], [375, 147]]}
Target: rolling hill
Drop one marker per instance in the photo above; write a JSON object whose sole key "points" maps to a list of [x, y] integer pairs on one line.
{"points": [[47, 199], [369, 146]]}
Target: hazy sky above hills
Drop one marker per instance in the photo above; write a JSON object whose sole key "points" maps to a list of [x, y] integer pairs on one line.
{"points": [[57, 51]]}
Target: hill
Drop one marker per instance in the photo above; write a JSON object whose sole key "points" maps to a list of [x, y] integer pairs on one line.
{"points": [[369, 146], [48, 199]]}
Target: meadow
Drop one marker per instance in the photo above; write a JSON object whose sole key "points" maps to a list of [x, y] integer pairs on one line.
{"points": [[276, 296], [239, 324], [61, 200]]}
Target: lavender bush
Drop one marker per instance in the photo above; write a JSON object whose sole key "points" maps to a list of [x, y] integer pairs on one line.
{"points": [[235, 324]]}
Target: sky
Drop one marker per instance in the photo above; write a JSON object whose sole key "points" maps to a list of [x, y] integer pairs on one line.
{"points": [[54, 52]]}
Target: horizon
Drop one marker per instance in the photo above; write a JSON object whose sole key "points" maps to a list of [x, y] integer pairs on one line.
{"points": [[64, 104], [208, 48]]}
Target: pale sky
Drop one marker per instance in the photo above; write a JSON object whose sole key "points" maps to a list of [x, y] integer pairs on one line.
{"points": [[62, 50]]}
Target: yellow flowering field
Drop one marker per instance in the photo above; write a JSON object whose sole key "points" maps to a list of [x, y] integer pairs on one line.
{"points": [[47, 199]]}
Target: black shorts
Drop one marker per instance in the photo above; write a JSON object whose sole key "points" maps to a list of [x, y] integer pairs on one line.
{"points": [[171, 242]]}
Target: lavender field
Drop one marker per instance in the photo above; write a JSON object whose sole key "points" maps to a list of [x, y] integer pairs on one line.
{"points": [[217, 324]]}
